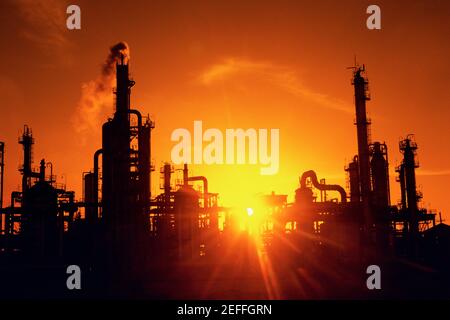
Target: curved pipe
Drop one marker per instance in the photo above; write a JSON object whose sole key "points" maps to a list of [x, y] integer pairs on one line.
{"points": [[328, 187], [139, 116], [205, 187]]}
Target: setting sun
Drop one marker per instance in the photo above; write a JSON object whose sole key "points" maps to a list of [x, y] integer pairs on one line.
{"points": [[224, 149]]}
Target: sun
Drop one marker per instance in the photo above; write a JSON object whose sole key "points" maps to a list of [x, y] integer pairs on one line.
{"points": [[249, 212]]}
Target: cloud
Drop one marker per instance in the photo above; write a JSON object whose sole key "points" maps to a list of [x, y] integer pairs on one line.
{"points": [[44, 25], [279, 76], [433, 172]]}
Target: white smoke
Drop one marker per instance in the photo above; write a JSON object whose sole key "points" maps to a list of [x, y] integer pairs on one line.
{"points": [[96, 96]]}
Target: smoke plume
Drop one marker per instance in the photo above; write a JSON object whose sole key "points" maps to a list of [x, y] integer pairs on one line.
{"points": [[115, 54], [96, 95]]}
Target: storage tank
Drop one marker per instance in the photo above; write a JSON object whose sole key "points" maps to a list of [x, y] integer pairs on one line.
{"points": [[40, 220], [353, 176], [89, 197], [186, 209], [379, 175]]}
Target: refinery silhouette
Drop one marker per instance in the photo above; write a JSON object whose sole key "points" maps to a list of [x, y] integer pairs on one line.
{"points": [[180, 243]]}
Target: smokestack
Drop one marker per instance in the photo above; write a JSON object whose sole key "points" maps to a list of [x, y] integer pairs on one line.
{"points": [[123, 86], [361, 96], [27, 141], [119, 52], [408, 147]]}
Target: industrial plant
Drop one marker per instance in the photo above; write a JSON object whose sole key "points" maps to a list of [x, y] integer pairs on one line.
{"points": [[181, 243]]}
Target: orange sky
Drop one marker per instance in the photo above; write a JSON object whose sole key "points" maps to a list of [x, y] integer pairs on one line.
{"points": [[248, 64]]}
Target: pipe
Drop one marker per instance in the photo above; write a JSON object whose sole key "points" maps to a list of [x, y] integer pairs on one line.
{"points": [[332, 187], [401, 179], [167, 172], [205, 187], [139, 116], [143, 158], [96, 155]]}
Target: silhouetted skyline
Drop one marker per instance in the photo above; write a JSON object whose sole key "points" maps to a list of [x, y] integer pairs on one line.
{"points": [[253, 64]]}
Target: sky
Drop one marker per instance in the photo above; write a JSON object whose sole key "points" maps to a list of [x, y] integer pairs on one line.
{"points": [[232, 64]]}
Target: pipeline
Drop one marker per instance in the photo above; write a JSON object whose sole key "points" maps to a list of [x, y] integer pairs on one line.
{"points": [[96, 155], [144, 155], [331, 187]]}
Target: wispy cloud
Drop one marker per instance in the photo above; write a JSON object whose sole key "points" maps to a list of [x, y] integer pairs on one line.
{"points": [[44, 25], [422, 172], [279, 76]]}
